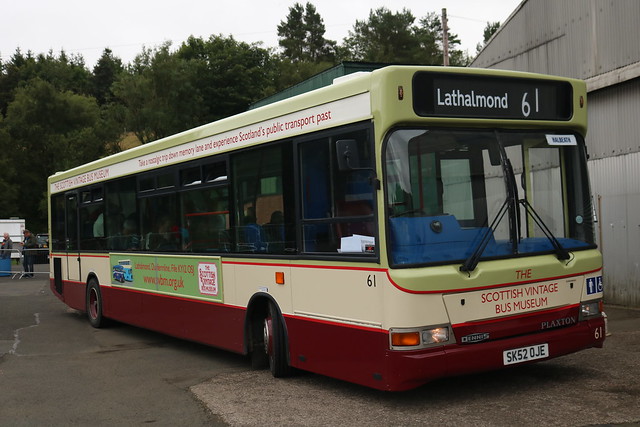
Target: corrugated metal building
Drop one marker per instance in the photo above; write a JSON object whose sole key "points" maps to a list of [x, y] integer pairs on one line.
{"points": [[598, 41]]}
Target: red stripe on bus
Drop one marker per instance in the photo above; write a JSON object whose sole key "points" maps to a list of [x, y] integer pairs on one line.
{"points": [[81, 256], [325, 267], [479, 288]]}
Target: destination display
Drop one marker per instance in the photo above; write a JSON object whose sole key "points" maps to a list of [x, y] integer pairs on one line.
{"points": [[471, 96]]}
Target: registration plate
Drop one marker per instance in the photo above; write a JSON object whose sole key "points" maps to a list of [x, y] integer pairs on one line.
{"points": [[525, 354]]}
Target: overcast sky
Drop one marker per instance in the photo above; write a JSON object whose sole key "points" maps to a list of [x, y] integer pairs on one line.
{"points": [[87, 27]]}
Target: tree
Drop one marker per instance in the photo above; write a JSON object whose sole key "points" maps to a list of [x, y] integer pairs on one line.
{"points": [[430, 34], [8, 187], [395, 38], [384, 37], [489, 30], [160, 95], [63, 72], [292, 33], [49, 130], [229, 74], [105, 73], [301, 36], [291, 73], [430, 40]]}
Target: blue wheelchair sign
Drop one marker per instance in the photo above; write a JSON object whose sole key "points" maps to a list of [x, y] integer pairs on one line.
{"points": [[594, 285]]}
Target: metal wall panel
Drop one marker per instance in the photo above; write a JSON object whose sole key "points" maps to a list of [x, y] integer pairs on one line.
{"points": [[572, 38], [614, 120], [616, 188]]}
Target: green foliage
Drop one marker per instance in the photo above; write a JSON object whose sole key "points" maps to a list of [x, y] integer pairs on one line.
{"points": [[489, 30], [384, 37], [63, 72], [301, 36], [56, 114], [107, 70], [160, 95], [292, 33], [395, 38], [8, 188], [49, 130], [291, 73], [166, 92], [229, 74]]}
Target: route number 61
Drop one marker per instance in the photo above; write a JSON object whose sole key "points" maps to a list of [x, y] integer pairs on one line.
{"points": [[526, 107]]}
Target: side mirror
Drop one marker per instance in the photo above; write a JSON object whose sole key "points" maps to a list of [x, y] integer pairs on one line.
{"points": [[349, 159], [348, 155], [494, 156]]}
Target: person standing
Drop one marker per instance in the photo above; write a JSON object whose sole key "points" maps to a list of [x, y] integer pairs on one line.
{"points": [[7, 245], [29, 245]]}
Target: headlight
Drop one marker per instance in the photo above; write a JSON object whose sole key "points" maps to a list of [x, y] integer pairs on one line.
{"points": [[590, 309], [435, 336], [417, 338]]}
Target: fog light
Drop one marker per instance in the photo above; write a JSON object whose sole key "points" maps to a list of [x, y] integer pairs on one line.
{"points": [[436, 335]]}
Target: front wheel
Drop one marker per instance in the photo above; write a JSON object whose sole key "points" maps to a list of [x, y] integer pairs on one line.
{"points": [[275, 343], [94, 304]]}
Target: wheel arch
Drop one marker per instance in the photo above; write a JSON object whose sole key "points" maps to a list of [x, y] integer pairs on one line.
{"points": [[92, 275]]}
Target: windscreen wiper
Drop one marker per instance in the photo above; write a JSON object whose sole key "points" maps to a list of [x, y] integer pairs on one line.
{"points": [[561, 252], [514, 213], [471, 263]]}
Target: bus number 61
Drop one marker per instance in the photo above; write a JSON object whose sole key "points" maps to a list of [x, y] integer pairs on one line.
{"points": [[526, 107], [371, 281]]}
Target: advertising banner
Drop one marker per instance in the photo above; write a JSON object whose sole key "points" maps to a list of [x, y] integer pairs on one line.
{"points": [[184, 276]]}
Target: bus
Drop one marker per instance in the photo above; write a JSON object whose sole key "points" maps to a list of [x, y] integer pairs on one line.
{"points": [[395, 227]]}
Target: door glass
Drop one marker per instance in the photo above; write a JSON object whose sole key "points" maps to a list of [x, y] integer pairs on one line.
{"points": [[72, 222]]}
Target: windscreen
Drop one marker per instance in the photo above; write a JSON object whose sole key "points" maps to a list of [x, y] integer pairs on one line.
{"points": [[456, 195]]}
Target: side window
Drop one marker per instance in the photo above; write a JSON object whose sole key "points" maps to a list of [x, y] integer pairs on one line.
{"points": [[264, 216], [57, 237], [71, 222], [159, 227], [160, 231], [337, 205], [204, 208], [91, 219], [121, 226]]}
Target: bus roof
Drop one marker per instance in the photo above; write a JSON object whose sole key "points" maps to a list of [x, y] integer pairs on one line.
{"points": [[349, 95]]}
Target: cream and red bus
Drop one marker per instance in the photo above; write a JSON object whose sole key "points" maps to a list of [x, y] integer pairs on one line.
{"points": [[392, 228]]}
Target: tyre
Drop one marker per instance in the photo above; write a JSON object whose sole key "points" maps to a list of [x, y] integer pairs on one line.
{"points": [[275, 343], [94, 304], [259, 358]]}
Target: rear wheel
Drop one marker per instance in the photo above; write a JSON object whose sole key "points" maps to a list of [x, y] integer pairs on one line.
{"points": [[94, 304]]}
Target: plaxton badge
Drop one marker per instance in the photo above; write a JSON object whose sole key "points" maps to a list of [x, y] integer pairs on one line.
{"points": [[556, 323]]}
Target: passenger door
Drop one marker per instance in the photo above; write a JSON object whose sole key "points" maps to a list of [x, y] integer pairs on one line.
{"points": [[71, 237]]}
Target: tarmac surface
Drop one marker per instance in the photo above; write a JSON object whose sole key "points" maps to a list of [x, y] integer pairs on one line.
{"points": [[593, 387]]}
